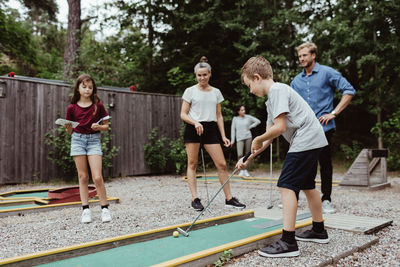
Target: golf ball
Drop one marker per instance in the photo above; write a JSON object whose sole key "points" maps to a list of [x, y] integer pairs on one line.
{"points": [[175, 233]]}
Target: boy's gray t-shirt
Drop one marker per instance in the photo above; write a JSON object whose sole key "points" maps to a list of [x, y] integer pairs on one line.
{"points": [[303, 130]]}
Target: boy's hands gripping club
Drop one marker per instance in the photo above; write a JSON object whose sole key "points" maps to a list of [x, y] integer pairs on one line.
{"points": [[256, 148]]}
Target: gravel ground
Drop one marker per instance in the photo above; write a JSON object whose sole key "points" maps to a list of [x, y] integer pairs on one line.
{"points": [[149, 202]]}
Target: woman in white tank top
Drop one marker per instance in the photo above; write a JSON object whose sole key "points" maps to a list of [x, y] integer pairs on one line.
{"points": [[201, 111]]}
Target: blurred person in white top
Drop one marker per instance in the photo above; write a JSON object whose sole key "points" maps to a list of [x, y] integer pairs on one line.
{"points": [[240, 131]]}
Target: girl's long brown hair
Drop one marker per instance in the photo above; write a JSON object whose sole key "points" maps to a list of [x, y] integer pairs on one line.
{"points": [[76, 95]]}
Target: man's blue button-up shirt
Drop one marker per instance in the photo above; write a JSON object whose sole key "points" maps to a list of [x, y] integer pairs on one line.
{"points": [[318, 89]]}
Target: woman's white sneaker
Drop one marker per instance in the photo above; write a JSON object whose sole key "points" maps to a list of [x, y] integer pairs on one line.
{"points": [[327, 207]]}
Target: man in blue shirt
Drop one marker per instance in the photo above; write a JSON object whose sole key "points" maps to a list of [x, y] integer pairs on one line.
{"points": [[317, 84]]}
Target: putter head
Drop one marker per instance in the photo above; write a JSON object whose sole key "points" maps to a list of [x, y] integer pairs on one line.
{"points": [[184, 233]]}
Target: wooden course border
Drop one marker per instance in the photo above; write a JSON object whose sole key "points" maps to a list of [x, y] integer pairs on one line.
{"points": [[58, 254]]}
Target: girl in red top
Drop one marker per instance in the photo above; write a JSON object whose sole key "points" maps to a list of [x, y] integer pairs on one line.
{"points": [[87, 109]]}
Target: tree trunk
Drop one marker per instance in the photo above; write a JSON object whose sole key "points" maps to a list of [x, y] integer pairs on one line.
{"points": [[71, 53], [150, 37], [378, 116]]}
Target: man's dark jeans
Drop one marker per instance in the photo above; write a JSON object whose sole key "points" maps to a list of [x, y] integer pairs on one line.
{"points": [[325, 163]]}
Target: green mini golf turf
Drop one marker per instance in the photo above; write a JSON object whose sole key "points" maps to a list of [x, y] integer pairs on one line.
{"points": [[168, 248], [31, 194], [17, 206]]}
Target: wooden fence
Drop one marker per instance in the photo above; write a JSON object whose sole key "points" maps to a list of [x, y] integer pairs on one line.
{"points": [[29, 107]]}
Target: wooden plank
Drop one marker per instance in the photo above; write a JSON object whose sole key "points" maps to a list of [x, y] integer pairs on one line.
{"points": [[355, 223], [10, 124], [358, 171], [4, 102]]}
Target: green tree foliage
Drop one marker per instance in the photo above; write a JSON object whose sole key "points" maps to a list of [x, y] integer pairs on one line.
{"points": [[17, 44], [38, 7], [34, 46], [391, 135], [360, 39], [118, 60]]}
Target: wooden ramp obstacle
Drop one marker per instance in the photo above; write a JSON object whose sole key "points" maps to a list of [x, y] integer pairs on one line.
{"points": [[368, 170]]}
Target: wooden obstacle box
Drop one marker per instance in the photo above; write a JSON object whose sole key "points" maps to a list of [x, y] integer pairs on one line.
{"points": [[368, 170]]}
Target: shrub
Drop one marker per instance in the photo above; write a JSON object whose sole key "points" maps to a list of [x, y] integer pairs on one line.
{"points": [[156, 151], [163, 154], [177, 153], [351, 152], [391, 138]]}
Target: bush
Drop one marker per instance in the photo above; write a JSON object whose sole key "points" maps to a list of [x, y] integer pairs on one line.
{"points": [[156, 151], [59, 142], [391, 138], [163, 154], [177, 153], [351, 152]]}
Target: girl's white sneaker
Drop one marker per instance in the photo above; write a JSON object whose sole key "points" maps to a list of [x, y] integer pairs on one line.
{"points": [[86, 216], [105, 215]]}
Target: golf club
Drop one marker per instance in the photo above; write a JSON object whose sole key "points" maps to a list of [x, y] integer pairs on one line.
{"points": [[186, 233], [204, 172]]}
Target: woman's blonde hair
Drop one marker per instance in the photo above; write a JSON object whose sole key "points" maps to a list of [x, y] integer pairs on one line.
{"points": [[202, 64]]}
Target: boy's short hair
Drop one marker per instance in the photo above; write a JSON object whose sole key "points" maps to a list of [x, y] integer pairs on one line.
{"points": [[257, 65], [311, 47]]}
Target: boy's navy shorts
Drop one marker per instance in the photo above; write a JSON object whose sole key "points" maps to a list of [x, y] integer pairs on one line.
{"points": [[211, 134], [299, 170]]}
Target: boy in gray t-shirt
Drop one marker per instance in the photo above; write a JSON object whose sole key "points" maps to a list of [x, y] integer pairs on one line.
{"points": [[288, 115]]}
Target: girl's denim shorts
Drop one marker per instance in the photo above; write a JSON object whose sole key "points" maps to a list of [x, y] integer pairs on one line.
{"points": [[85, 144]]}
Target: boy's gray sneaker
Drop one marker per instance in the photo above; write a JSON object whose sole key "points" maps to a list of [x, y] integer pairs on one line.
{"points": [[311, 236], [280, 249]]}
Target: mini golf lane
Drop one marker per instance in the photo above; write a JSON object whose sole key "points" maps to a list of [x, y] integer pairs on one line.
{"points": [[34, 200], [162, 250], [28, 195], [25, 194], [206, 242]]}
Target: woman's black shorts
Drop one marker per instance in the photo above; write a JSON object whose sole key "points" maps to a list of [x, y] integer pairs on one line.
{"points": [[211, 134]]}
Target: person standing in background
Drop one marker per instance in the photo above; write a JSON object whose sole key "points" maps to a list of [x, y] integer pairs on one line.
{"points": [[317, 84], [240, 131]]}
